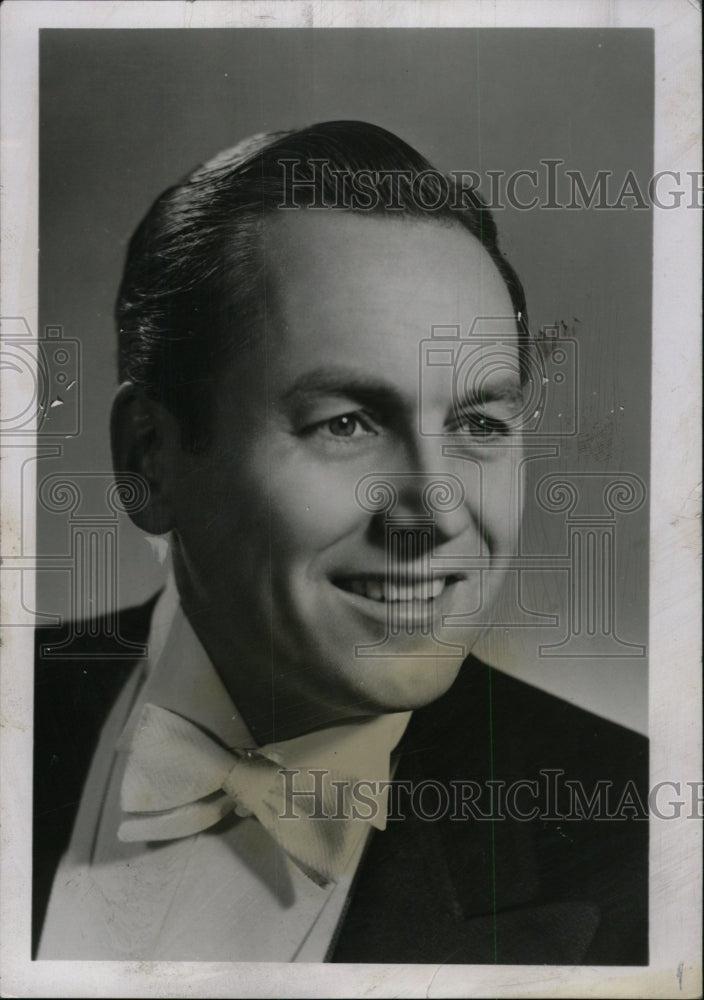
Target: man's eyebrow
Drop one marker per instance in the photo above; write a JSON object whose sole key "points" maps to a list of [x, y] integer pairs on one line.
{"points": [[333, 381], [508, 390]]}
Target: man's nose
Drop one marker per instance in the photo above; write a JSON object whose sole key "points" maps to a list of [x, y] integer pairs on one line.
{"points": [[427, 489]]}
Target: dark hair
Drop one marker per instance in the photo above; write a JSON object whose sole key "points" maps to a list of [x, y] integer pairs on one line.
{"points": [[193, 279]]}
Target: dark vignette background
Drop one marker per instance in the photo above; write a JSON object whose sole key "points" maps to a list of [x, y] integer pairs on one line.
{"points": [[124, 113]]}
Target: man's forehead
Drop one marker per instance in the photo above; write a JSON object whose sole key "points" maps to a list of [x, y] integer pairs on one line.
{"points": [[288, 233], [380, 264]]}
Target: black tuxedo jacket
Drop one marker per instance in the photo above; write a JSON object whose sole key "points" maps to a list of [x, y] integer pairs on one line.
{"points": [[455, 878]]}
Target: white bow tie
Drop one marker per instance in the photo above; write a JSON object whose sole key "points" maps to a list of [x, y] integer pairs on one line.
{"points": [[179, 781]]}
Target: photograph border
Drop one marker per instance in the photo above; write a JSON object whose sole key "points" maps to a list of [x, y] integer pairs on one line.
{"points": [[675, 521]]}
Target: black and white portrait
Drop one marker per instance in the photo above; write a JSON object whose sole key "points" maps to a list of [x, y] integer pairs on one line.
{"points": [[341, 481]]}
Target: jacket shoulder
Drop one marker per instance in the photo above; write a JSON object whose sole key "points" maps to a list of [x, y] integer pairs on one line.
{"points": [[80, 669], [510, 719]]}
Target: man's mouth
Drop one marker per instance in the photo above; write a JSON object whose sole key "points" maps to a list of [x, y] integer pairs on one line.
{"points": [[384, 591]]}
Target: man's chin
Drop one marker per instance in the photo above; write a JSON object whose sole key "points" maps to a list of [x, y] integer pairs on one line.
{"points": [[401, 683]]}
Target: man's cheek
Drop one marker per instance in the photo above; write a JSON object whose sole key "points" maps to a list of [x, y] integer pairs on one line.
{"points": [[500, 504], [314, 505]]}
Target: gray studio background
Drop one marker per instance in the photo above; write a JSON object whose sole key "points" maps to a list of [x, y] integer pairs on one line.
{"points": [[126, 113]]}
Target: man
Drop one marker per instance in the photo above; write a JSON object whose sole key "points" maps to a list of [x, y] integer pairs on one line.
{"points": [[335, 508]]}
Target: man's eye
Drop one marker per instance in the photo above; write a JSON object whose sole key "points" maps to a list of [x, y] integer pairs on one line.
{"points": [[479, 426], [346, 426]]}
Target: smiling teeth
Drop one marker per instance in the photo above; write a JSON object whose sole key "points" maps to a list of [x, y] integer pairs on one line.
{"points": [[380, 590]]}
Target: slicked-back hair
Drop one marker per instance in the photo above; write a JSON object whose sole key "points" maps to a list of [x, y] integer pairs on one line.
{"points": [[194, 279]]}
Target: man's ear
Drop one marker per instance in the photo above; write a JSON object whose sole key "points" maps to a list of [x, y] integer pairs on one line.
{"points": [[145, 439]]}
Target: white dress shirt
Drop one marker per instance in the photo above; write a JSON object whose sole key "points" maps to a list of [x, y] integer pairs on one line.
{"points": [[229, 893]]}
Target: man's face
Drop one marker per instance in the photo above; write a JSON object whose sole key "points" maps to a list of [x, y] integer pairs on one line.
{"points": [[286, 570]]}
